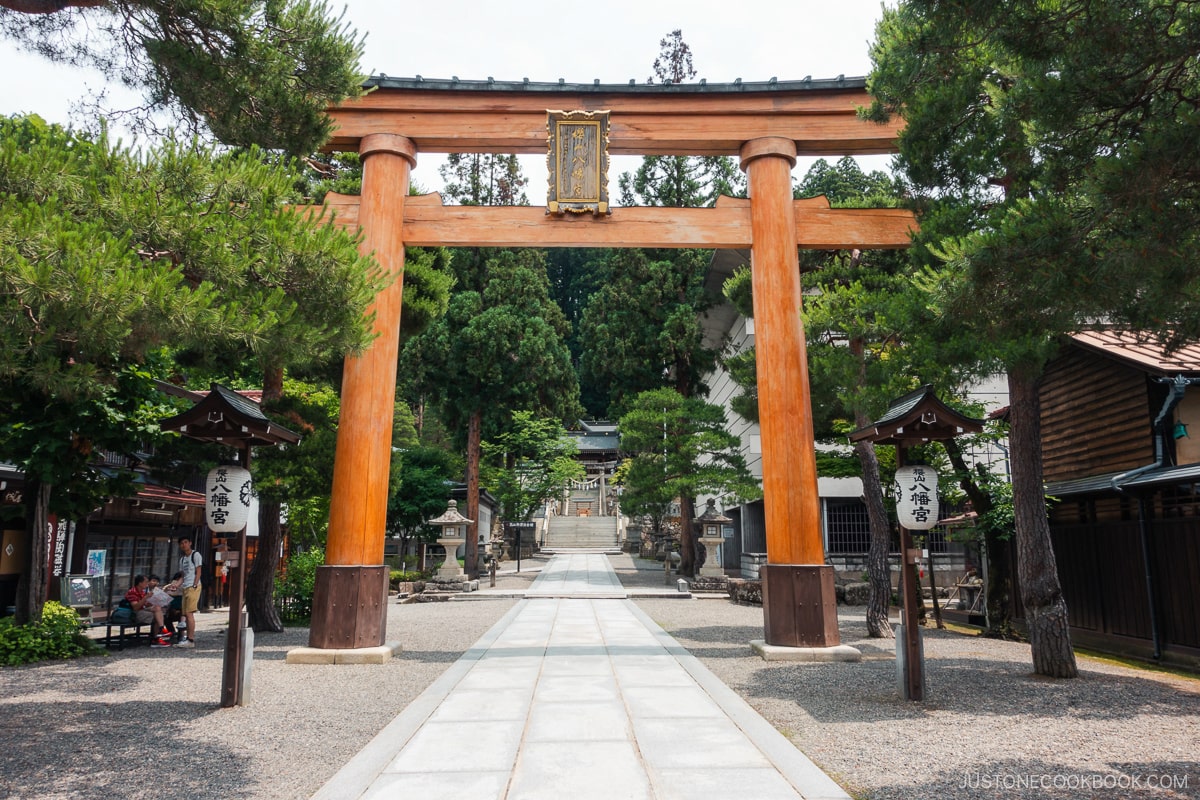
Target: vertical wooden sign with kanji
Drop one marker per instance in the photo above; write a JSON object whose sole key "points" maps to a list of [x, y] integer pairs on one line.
{"points": [[578, 162]]}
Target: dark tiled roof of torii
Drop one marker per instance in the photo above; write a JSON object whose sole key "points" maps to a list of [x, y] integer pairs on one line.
{"points": [[738, 86]]}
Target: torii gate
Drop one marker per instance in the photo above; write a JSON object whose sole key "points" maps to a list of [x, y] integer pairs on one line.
{"points": [[767, 125]]}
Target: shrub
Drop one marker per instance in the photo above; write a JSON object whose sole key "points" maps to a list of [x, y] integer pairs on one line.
{"points": [[406, 576], [56, 635], [295, 584]]}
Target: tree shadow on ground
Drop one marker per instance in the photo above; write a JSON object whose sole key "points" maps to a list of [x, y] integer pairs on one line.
{"points": [[124, 744]]}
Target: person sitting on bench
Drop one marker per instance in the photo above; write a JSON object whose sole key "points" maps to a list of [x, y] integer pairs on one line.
{"points": [[145, 612]]}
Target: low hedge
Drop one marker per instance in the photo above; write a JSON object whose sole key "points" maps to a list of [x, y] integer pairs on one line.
{"points": [[56, 636]]}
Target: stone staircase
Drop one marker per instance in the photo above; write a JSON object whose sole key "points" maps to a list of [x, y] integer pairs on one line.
{"points": [[581, 533]]}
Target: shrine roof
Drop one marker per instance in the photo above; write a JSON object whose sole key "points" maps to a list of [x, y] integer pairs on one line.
{"points": [[1141, 350], [738, 86]]}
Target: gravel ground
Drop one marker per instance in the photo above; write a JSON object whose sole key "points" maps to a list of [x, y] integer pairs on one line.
{"points": [[145, 720]]}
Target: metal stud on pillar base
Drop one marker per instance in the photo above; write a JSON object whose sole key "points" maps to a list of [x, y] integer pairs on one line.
{"points": [[349, 607], [800, 615], [349, 619]]}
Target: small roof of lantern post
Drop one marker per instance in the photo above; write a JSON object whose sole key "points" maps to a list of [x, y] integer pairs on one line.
{"points": [[915, 418], [711, 516], [450, 516], [225, 417]]}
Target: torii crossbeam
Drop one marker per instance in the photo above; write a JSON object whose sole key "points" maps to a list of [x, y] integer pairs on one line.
{"points": [[767, 125]]}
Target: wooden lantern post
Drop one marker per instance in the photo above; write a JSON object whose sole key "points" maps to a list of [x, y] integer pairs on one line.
{"points": [[916, 418], [225, 417]]}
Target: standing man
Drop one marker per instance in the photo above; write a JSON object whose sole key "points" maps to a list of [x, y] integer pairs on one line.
{"points": [[189, 564]]}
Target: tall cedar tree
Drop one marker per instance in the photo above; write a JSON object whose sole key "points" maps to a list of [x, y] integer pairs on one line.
{"points": [[104, 262], [251, 72], [1045, 139], [498, 349], [575, 275], [502, 345], [642, 328]]}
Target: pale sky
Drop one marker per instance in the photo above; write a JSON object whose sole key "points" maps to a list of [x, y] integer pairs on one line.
{"points": [[613, 41]]}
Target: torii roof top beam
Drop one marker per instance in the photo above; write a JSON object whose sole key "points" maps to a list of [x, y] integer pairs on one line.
{"points": [[701, 119]]}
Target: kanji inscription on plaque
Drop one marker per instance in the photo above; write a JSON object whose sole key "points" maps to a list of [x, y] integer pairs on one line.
{"points": [[577, 158]]}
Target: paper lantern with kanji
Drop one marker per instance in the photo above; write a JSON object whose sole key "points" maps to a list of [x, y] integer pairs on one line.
{"points": [[916, 497], [227, 499]]}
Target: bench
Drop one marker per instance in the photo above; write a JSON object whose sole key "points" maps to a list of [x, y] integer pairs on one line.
{"points": [[131, 631]]}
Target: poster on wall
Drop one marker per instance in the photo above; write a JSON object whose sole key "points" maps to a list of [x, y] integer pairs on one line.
{"points": [[95, 562]]}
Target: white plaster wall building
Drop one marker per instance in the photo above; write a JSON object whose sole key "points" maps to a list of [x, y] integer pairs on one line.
{"points": [[844, 524]]}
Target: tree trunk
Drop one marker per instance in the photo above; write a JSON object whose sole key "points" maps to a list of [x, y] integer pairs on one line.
{"points": [[31, 586], [879, 571], [998, 593], [260, 582], [474, 426], [687, 537], [1041, 592]]}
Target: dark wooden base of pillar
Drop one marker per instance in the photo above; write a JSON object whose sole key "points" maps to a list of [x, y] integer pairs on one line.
{"points": [[349, 607], [799, 605]]}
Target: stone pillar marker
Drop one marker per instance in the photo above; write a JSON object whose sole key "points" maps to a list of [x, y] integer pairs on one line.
{"points": [[799, 600]]}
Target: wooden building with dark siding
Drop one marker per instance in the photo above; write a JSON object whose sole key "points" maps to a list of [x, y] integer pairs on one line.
{"points": [[1121, 458]]}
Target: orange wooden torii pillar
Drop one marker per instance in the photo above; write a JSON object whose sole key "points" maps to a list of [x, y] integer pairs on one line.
{"points": [[766, 124]]}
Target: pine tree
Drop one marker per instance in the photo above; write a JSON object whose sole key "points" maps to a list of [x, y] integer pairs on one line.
{"points": [[248, 71], [1044, 142], [112, 264], [679, 447]]}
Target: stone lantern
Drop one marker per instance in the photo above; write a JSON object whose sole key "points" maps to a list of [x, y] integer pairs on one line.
{"points": [[712, 574], [454, 533]]}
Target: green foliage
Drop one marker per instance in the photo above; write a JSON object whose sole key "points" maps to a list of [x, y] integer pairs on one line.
{"points": [[500, 347], [428, 278], [739, 290], [1044, 141], [405, 576], [999, 521], [421, 491], [295, 583], [643, 326], [251, 71], [55, 636], [305, 470], [484, 179], [575, 275], [837, 464], [118, 268], [680, 448], [528, 464], [680, 181], [845, 184]]}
